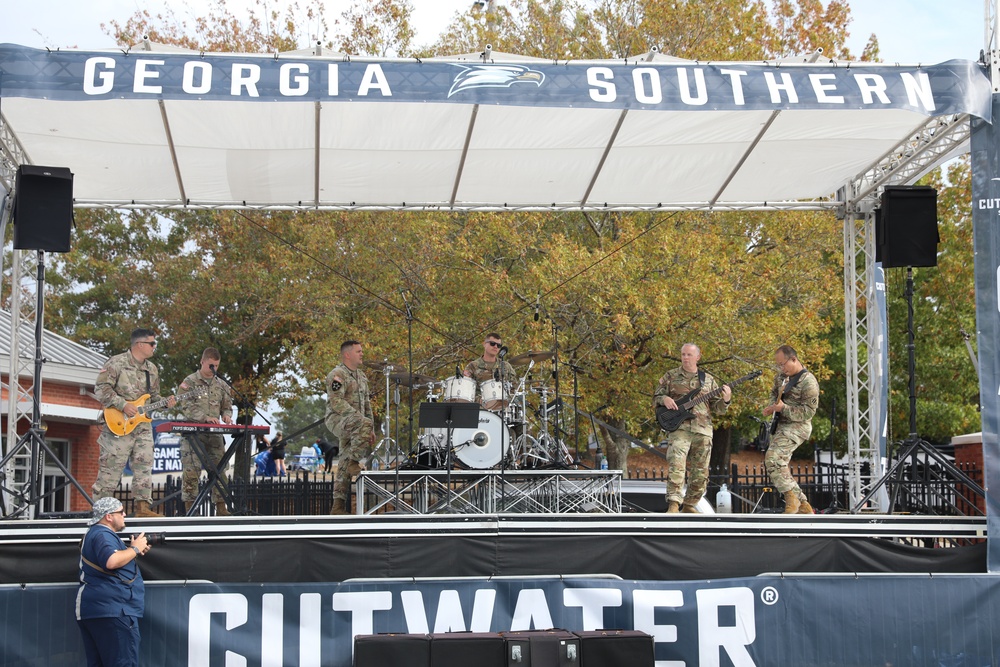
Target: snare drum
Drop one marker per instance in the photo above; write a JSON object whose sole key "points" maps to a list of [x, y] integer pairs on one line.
{"points": [[495, 395], [460, 390]]}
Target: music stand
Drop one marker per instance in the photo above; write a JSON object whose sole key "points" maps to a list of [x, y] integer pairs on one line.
{"points": [[448, 416]]}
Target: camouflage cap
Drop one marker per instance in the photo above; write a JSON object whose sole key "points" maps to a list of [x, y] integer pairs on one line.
{"points": [[104, 507]]}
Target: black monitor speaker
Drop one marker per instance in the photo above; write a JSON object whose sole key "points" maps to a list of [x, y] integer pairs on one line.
{"points": [[906, 227], [43, 208]]}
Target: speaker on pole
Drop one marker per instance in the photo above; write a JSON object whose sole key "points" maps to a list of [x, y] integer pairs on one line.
{"points": [[906, 227], [43, 208]]}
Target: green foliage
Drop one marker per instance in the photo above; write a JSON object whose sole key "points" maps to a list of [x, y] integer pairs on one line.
{"points": [[298, 415]]}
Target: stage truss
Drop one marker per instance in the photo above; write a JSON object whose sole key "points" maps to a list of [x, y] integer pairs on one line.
{"points": [[490, 492]]}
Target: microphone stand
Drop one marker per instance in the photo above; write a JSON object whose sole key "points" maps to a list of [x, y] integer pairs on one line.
{"points": [[409, 354], [576, 410], [501, 364], [243, 402]]}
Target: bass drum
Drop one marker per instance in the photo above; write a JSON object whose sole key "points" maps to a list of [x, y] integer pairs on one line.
{"points": [[479, 447]]}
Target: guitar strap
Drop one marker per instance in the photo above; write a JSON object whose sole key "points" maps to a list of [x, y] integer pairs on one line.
{"points": [[701, 379], [792, 381], [149, 388]]}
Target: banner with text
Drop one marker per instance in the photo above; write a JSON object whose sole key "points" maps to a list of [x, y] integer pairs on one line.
{"points": [[957, 86], [763, 621]]}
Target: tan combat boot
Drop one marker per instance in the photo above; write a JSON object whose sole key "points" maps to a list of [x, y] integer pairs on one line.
{"points": [[144, 511], [805, 508], [689, 509], [339, 507], [792, 503], [673, 507], [221, 509], [353, 468]]}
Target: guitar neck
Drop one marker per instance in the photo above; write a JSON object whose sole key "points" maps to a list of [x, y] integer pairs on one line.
{"points": [[716, 392], [150, 407]]}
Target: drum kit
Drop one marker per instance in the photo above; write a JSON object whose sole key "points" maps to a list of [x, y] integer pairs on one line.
{"points": [[506, 436]]}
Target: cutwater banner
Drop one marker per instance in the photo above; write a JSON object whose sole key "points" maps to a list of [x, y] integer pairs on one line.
{"points": [[986, 240], [957, 86], [763, 621]]}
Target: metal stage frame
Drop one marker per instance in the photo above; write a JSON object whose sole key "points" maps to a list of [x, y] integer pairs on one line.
{"points": [[490, 491]]}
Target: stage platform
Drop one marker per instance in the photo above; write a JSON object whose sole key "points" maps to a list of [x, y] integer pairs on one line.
{"points": [[632, 546]]}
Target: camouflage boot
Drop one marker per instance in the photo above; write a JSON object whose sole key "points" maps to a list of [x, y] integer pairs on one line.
{"points": [[144, 511], [673, 507], [339, 507], [805, 508], [792, 503], [221, 509], [689, 509]]}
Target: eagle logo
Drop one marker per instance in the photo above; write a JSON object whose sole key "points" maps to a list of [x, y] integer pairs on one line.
{"points": [[493, 76]]}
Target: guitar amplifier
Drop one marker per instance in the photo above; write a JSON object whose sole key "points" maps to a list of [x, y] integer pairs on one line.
{"points": [[615, 648], [392, 650], [542, 648], [467, 649]]}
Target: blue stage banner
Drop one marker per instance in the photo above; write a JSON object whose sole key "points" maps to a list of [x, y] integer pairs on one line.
{"points": [[986, 240], [764, 621], [166, 452], [957, 86]]}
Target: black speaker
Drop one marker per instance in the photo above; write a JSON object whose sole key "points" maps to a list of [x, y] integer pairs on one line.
{"points": [[390, 650], [906, 227], [43, 208], [616, 648], [542, 648], [467, 649]]}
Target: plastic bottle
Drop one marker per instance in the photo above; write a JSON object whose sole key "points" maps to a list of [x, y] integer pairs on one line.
{"points": [[724, 501], [604, 462]]}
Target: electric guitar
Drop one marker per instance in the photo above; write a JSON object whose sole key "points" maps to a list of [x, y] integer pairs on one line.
{"points": [[122, 425], [670, 420]]}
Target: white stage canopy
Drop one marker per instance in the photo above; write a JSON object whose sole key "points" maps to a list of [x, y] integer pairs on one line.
{"points": [[165, 128]]}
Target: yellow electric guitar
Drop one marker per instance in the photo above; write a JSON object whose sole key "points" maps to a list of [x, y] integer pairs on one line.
{"points": [[122, 425]]}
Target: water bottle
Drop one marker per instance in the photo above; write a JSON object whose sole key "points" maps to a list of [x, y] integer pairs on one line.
{"points": [[724, 501], [604, 462]]}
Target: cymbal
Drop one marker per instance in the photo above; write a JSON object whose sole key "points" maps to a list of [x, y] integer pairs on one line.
{"points": [[532, 355], [408, 380], [378, 365]]}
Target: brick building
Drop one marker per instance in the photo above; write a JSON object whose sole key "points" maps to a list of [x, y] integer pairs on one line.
{"points": [[69, 411]]}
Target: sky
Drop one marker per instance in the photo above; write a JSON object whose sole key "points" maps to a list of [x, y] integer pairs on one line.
{"points": [[909, 31]]}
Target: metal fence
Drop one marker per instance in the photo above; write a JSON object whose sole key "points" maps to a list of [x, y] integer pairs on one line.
{"points": [[824, 484]]}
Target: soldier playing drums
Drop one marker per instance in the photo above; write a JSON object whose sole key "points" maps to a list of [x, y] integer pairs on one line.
{"points": [[484, 370]]}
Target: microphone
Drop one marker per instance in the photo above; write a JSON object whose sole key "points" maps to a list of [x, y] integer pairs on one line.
{"points": [[395, 396], [496, 374], [458, 371], [537, 305], [211, 367], [503, 351]]}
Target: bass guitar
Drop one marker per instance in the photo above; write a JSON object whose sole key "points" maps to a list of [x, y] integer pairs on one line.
{"points": [[120, 424], [670, 420]]}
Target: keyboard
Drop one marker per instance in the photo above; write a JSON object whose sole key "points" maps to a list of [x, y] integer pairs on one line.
{"points": [[196, 427]]}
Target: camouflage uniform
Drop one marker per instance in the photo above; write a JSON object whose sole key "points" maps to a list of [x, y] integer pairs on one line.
{"points": [[481, 371], [213, 401], [124, 379], [794, 428], [690, 446], [349, 417]]}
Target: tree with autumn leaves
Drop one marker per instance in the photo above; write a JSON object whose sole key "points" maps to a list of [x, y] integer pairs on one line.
{"points": [[617, 292]]}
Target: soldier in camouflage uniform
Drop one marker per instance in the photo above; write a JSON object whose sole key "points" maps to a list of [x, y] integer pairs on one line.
{"points": [[211, 403], [690, 446], [126, 377], [349, 417], [485, 367], [796, 397]]}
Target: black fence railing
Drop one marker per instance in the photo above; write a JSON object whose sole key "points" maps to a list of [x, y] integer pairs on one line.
{"points": [[824, 484]]}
